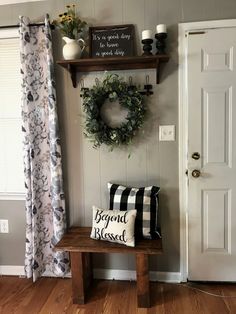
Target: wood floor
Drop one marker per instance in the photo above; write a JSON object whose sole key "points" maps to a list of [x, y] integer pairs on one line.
{"points": [[53, 296]]}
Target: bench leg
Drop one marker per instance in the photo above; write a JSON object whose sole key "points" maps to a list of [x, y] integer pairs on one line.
{"points": [[143, 290], [81, 272]]}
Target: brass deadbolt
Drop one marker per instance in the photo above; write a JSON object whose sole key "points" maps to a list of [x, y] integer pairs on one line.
{"points": [[196, 155]]}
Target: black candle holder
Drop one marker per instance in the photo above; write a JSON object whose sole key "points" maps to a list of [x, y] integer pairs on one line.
{"points": [[147, 47], [160, 43]]}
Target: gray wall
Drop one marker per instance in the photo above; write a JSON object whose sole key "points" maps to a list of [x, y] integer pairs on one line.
{"points": [[87, 171]]}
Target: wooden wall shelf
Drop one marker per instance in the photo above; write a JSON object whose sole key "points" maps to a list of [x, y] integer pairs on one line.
{"points": [[108, 64]]}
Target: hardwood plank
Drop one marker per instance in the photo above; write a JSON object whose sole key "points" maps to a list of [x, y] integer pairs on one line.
{"points": [[173, 300], [78, 240], [9, 288], [37, 295], [53, 295], [131, 292], [117, 298], [98, 293], [60, 298], [210, 303], [188, 299], [156, 297], [229, 290], [9, 283], [27, 296]]}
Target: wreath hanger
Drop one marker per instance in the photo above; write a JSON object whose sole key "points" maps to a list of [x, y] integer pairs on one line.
{"points": [[147, 90]]}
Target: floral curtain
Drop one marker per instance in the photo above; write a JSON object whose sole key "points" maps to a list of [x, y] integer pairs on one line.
{"points": [[45, 205]]}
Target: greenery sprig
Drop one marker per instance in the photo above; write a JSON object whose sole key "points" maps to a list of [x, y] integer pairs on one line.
{"points": [[69, 23], [112, 88]]}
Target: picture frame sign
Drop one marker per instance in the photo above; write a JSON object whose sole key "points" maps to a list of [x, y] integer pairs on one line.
{"points": [[112, 41]]}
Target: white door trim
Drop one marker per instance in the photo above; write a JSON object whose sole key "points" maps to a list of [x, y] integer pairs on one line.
{"points": [[183, 131]]}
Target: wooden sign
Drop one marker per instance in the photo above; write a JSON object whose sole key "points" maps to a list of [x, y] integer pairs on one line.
{"points": [[112, 41]]}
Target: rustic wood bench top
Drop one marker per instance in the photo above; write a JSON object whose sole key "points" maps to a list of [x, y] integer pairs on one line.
{"points": [[78, 240], [78, 243]]}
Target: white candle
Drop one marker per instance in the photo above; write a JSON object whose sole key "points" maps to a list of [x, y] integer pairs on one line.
{"points": [[161, 28], [147, 34]]}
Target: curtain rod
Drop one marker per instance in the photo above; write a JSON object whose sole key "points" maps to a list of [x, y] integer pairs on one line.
{"points": [[31, 24]]}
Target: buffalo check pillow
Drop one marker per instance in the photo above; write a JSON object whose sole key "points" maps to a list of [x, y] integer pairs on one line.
{"points": [[144, 200]]}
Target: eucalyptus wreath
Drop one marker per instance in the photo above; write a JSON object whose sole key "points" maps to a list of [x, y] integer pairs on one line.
{"points": [[114, 89]]}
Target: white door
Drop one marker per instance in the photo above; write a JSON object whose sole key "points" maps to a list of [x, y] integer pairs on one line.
{"points": [[211, 67]]}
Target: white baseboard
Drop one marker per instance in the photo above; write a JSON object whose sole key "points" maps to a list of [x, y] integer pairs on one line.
{"points": [[118, 274], [100, 273], [174, 277], [10, 270]]}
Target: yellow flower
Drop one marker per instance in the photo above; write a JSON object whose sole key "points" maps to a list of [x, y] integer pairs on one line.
{"points": [[68, 21]]}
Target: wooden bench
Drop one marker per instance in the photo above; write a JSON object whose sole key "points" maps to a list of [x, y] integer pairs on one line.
{"points": [[80, 246]]}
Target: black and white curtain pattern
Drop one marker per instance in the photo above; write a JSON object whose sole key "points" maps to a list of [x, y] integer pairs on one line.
{"points": [[45, 205]]}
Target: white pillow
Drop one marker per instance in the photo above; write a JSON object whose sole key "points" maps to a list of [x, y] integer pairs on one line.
{"points": [[114, 226]]}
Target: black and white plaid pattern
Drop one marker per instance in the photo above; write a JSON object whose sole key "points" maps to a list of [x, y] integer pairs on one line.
{"points": [[144, 200]]}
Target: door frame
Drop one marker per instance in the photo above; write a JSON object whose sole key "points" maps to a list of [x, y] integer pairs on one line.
{"points": [[184, 28]]}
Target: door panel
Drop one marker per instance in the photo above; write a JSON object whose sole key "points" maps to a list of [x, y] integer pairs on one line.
{"points": [[217, 126], [216, 232], [217, 61], [211, 130]]}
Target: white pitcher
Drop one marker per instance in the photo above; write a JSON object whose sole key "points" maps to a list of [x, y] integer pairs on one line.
{"points": [[72, 48]]}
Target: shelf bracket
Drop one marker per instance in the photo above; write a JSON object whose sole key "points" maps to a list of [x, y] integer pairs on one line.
{"points": [[72, 70]]}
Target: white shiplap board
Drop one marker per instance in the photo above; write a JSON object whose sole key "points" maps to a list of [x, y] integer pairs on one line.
{"points": [[4, 2]]}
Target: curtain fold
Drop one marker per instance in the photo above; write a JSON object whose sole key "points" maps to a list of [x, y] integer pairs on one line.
{"points": [[45, 204]]}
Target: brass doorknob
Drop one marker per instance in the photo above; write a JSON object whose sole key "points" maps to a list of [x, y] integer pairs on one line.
{"points": [[196, 173]]}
